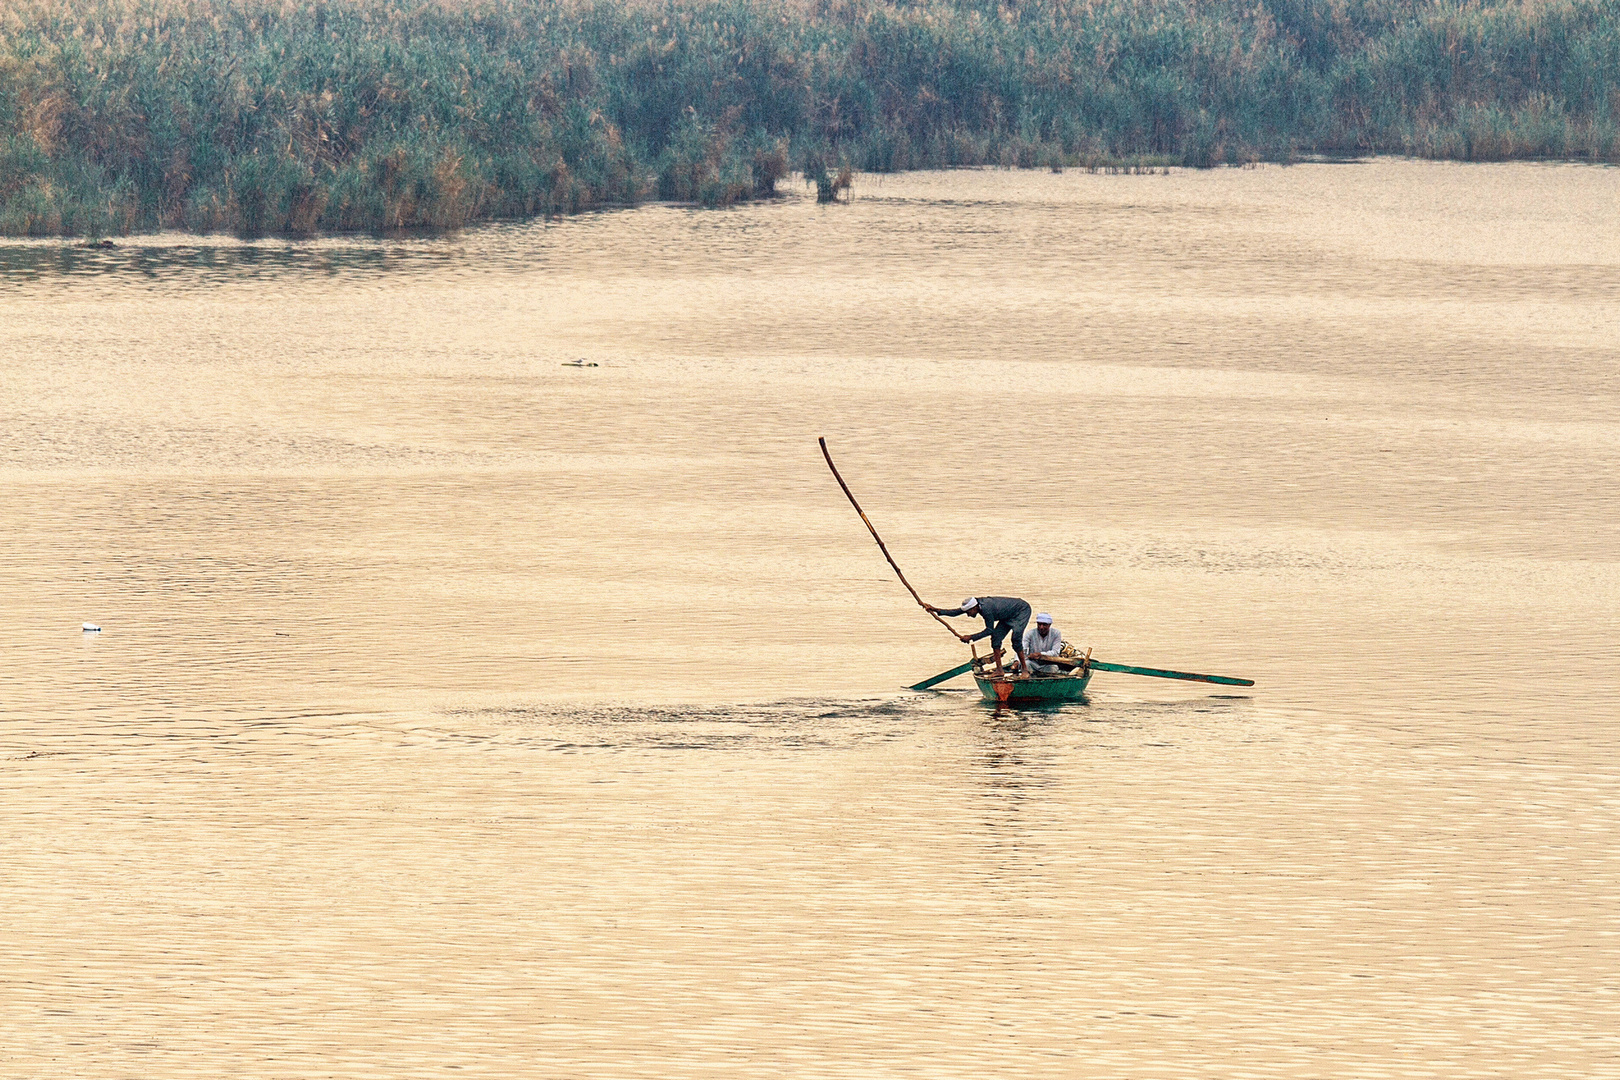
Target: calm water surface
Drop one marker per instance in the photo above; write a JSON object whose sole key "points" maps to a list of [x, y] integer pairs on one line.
{"points": [[457, 710]]}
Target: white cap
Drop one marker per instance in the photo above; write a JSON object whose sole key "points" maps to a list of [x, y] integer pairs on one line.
{"points": [[970, 602], [1044, 617]]}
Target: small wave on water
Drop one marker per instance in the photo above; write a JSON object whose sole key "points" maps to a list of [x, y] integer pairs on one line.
{"points": [[792, 724], [798, 725]]}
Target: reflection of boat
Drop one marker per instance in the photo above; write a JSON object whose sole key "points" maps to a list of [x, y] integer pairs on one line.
{"points": [[1036, 688]]}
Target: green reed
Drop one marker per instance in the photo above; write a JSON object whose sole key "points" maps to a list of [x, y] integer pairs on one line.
{"points": [[297, 116]]}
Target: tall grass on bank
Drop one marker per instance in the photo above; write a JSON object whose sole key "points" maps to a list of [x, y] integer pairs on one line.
{"points": [[296, 116]]}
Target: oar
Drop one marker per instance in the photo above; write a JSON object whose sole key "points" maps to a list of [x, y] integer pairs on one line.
{"points": [[1161, 673], [942, 676], [1155, 672]]}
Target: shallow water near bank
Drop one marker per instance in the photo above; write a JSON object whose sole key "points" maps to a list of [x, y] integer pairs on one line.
{"points": [[458, 709]]}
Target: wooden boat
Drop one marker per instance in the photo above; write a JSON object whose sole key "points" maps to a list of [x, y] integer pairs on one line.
{"points": [[1066, 686], [1034, 689], [1069, 686]]}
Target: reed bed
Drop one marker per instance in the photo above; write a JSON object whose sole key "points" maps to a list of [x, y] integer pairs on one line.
{"points": [[300, 116]]}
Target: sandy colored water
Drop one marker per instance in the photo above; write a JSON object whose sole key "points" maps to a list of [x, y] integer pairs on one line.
{"points": [[458, 710]]}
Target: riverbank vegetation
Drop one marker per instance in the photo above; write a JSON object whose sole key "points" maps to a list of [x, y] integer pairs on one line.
{"points": [[297, 116]]}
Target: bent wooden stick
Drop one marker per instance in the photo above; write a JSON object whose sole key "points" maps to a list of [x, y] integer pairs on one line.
{"points": [[881, 545]]}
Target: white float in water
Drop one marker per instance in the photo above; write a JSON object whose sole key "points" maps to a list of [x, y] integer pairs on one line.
{"points": [[91, 628]]}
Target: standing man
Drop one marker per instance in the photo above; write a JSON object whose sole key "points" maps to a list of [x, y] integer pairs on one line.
{"points": [[1002, 615], [1041, 641]]}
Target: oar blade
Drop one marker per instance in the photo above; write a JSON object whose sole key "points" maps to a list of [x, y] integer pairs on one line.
{"points": [[1162, 673], [942, 676]]}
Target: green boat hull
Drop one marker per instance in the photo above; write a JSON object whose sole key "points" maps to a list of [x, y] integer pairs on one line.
{"points": [[1033, 691]]}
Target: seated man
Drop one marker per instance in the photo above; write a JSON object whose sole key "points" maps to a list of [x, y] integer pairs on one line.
{"points": [[1004, 616], [1040, 641]]}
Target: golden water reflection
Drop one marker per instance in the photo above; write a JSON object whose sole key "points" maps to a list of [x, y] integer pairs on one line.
{"points": [[456, 709]]}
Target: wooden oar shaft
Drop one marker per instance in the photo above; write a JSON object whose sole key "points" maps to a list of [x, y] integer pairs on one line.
{"points": [[881, 545], [942, 676], [1161, 673]]}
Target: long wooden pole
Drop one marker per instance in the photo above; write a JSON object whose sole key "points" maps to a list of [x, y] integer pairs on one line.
{"points": [[881, 545]]}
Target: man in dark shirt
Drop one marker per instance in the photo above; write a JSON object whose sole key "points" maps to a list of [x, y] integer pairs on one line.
{"points": [[1002, 615]]}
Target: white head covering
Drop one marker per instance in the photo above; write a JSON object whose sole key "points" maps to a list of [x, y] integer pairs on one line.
{"points": [[970, 602], [1044, 617]]}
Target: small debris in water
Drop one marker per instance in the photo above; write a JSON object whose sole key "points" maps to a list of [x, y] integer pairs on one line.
{"points": [[91, 628], [97, 244]]}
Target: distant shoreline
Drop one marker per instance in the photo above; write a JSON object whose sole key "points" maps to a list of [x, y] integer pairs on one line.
{"points": [[181, 238]]}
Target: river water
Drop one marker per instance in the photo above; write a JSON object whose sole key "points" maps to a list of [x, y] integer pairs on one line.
{"points": [[459, 710]]}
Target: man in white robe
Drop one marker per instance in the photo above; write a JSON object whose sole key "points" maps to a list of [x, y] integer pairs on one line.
{"points": [[1042, 639]]}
